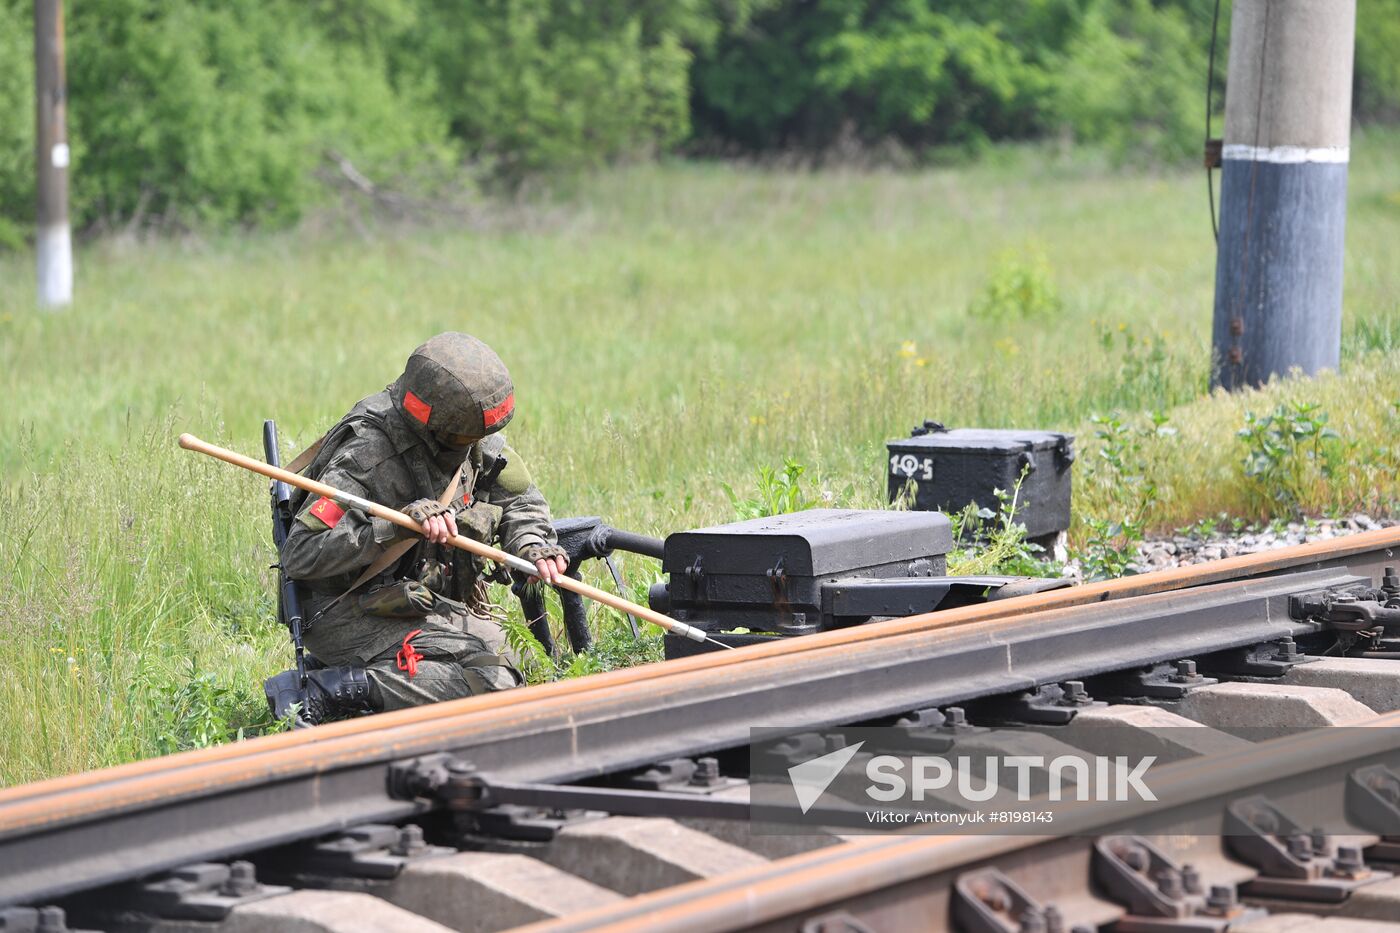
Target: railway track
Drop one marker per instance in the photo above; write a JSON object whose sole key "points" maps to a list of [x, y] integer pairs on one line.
{"points": [[610, 802]]}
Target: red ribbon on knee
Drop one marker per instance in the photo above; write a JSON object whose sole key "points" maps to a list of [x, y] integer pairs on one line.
{"points": [[408, 656]]}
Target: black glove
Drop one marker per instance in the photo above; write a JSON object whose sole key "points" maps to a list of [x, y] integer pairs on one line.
{"points": [[420, 510], [539, 552]]}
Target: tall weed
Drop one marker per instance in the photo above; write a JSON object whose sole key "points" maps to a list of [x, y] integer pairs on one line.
{"points": [[1113, 535], [779, 492], [988, 541], [1287, 452]]}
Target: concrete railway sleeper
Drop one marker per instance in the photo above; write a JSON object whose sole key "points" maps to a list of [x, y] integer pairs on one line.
{"points": [[396, 827]]}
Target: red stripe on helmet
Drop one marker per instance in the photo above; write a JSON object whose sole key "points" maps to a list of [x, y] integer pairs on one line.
{"points": [[494, 416], [416, 407]]}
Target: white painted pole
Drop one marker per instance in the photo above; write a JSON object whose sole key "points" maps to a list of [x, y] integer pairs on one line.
{"points": [[54, 238]]}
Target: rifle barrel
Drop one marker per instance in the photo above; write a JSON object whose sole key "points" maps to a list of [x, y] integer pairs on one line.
{"points": [[289, 604]]}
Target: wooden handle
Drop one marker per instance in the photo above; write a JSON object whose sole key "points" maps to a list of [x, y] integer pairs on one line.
{"points": [[350, 500]]}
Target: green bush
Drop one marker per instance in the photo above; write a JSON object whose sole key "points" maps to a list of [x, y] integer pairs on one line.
{"points": [[1133, 79], [1377, 85], [803, 73], [205, 112], [538, 84], [223, 111], [927, 73], [1020, 287], [211, 113], [16, 122], [202, 711], [1288, 453]]}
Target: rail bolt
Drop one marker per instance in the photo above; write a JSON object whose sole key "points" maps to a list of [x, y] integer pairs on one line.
{"points": [[1170, 884], [52, 920], [1221, 899], [1135, 857], [706, 772], [242, 880], [1349, 863], [1185, 672], [410, 840], [994, 896], [1074, 693]]}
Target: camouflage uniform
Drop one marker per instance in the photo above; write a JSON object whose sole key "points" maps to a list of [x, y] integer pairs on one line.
{"points": [[386, 450]]}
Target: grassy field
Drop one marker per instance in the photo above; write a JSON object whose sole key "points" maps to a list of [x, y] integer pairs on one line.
{"points": [[670, 329]]}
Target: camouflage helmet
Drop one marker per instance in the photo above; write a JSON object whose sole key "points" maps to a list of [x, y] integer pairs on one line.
{"points": [[455, 384]]}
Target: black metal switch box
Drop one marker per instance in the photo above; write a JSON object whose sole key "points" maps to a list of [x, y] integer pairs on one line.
{"points": [[950, 470], [767, 574]]}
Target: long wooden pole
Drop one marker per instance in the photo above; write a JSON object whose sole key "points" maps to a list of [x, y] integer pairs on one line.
{"points": [[352, 501]]}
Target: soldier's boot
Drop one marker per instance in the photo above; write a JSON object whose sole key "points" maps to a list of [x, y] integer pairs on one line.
{"points": [[330, 693]]}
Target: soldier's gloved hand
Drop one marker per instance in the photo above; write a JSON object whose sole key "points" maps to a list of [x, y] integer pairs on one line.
{"points": [[550, 561], [439, 524]]}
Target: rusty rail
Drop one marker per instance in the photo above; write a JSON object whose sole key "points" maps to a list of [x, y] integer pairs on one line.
{"points": [[332, 777]]}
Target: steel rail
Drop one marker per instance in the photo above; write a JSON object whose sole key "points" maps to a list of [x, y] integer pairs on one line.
{"points": [[74, 837], [1310, 766], [1364, 553]]}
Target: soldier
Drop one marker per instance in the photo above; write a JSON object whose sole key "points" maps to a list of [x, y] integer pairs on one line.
{"points": [[396, 619]]}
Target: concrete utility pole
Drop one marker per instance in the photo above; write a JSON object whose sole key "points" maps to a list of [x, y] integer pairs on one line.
{"points": [[54, 242], [1278, 273]]}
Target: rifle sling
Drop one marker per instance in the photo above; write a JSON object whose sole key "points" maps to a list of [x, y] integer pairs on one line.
{"points": [[304, 458]]}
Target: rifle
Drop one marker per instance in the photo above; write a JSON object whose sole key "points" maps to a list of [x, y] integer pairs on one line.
{"points": [[288, 595]]}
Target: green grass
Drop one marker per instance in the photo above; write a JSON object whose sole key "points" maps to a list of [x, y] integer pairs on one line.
{"points": [[670, 328]]}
